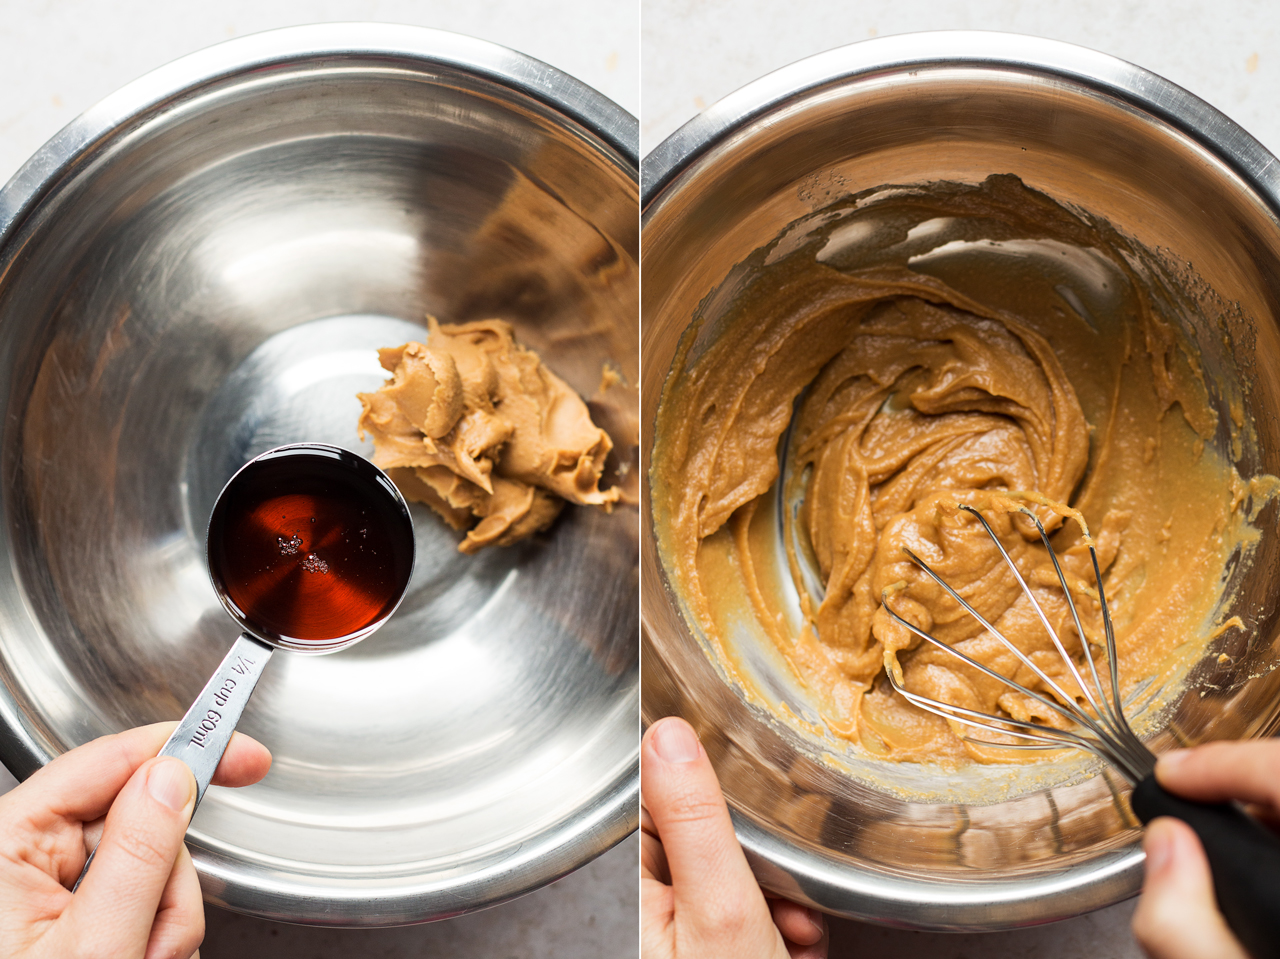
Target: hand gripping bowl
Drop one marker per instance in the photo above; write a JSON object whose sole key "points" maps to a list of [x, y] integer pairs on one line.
{"points": [[1090, 131], [201, 268]]}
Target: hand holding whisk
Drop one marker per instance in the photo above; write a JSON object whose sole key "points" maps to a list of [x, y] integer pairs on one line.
{"points": [[1243, 855]]}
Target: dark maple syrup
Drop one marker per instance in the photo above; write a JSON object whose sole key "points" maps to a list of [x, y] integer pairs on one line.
{"points": [[310, 543]]}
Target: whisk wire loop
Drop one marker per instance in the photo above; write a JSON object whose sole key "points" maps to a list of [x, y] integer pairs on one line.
{"points": [[1243, 855], [1112, 718], [1110, 634], [1101, 704], [1066, 708], [980, 720], [1063, 711], [1106, 734], [1035, 603]]}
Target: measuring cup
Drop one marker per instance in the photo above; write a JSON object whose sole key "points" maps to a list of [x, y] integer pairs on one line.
{"points": [[310, 549]]}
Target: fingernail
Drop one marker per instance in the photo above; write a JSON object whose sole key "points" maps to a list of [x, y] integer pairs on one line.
{"points": [[1167, 764], [1158, 846], [170, 783], [815, 918], [675, 741]]}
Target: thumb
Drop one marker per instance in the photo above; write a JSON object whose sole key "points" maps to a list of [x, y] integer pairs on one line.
{"points": [[116, 904], [713, 887], [1178, 917]]}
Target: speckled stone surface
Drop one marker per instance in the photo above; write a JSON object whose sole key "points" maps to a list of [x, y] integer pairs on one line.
{"points": [[589, 914]]}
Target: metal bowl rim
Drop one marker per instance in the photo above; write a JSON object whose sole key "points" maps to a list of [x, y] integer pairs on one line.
{"points": [[1008, 52], [580, 105]]}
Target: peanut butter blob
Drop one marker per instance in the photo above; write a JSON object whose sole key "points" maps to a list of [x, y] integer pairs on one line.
{"points": [[901, 355], [475, 426]]}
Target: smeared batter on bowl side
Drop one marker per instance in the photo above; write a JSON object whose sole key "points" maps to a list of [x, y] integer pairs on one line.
{"points": [[910, 384]]}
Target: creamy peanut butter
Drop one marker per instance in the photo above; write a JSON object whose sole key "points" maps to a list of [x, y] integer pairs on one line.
{"points": [[853, 395], [475, 426]]}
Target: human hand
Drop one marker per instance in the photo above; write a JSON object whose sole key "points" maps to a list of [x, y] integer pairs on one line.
{"points": [[1177, 916], [142, 897], [698, 898]]}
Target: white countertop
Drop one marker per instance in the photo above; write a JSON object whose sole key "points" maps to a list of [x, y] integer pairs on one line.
{"points": [[692, 54], [59, 58]]}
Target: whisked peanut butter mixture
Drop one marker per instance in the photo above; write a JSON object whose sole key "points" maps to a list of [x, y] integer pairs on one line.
{"points": [[935, 347]]}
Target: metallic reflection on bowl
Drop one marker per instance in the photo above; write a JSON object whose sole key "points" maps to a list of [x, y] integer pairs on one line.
{"points": [[1087, 130], [201, 268]]}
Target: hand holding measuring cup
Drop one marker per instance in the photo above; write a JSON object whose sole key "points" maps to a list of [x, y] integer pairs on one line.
{"points": [[310, 549], [143, 897]]}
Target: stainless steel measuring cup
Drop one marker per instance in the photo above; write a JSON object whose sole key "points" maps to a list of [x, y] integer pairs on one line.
{"points": [[202, 735]]}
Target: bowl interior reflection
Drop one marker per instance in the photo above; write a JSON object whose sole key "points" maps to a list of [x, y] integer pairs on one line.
{"points": [[213, 281]]}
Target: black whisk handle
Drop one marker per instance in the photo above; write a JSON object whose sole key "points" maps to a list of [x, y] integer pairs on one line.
{"points": [[1243, 854]]}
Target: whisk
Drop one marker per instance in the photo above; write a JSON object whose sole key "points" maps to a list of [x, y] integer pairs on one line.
{"points": [[1243, 855]]}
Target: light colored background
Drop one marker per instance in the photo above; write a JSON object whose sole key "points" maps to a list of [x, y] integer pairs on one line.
{"points": [[59, 57], [694, 52]]}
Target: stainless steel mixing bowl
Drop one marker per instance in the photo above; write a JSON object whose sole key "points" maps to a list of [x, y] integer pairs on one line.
{"points": [[201, 268], [1088, 130]]}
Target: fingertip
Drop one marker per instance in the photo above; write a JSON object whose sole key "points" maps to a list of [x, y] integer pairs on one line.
{"points": [[1247, 771], [244, 743], [258, 758], [819, 923], [1177, 914], [674, 741], [245, 762], [815, 950], [179, 920], [676, 777], [1169, 764], [116, 903], [1174, 869], [797, 923], [712, 885], [171, 783], [1159, 846]]}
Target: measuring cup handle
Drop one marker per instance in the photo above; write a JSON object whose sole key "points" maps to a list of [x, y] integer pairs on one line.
{"points": [[202, 736]]}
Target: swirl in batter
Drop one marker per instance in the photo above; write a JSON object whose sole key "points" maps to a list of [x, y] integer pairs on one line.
{"points": [[890, 395]]}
